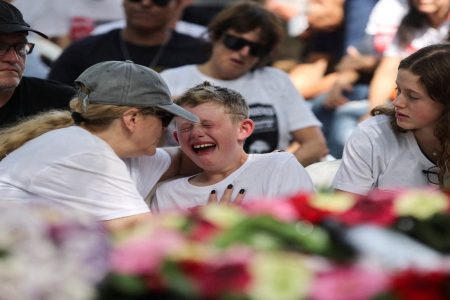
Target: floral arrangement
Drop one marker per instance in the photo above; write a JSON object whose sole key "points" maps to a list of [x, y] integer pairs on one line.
{"points": [[48, 252], [387, 245]]}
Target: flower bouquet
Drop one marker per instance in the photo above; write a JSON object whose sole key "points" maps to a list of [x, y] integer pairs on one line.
{"points": [[48, 252], [309, 246]]}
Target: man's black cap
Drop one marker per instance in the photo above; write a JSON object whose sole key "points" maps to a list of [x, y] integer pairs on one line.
{"points": [[11, 20]]}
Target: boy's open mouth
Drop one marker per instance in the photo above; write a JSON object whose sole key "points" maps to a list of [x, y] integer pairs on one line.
{"points": [[203, 147]]}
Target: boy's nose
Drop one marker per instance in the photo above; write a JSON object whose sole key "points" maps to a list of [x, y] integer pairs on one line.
{"points": [[197, 130]]}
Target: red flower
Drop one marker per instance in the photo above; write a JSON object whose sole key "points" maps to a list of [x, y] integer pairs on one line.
{"points": [[213, 280], [307, 212], [202, 230], [367, 211], [414, 285]]}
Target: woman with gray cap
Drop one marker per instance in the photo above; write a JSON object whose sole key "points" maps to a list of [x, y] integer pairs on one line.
{"points": [[102, 156]]}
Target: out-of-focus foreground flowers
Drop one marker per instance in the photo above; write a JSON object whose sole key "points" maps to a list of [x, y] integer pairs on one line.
{"points": [[387, 245], [322, 246], [48, 252]]}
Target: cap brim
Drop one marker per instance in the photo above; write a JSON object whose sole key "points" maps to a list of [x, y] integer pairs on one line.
{"points": [[9, 28], [180, 112]]}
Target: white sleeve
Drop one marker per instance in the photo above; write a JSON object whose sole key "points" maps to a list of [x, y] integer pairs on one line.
{"points": [[95, 183], [298, 113], [147, 170], [355, 173], [290, 177]]}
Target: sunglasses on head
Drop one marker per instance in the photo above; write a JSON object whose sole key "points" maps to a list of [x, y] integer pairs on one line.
{"points": [[236, 43], [160, 3]]}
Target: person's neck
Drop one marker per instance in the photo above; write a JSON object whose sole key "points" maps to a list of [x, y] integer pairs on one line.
{"points": [[428, 143], [5, 95], [113, 137], [146, 38], [208, 69], [209, 177], [438, 18]]}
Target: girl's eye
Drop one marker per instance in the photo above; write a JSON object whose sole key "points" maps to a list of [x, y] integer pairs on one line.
{"points": [[412, 97]]}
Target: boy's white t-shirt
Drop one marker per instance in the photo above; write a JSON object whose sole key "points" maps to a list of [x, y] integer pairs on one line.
{"points": [[276, 107], [263, 176], [376, 157], [77, 169]]}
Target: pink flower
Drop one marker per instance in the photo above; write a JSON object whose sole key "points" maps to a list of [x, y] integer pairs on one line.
{"points": [[280, 209], [348, 283], [144, 256]]}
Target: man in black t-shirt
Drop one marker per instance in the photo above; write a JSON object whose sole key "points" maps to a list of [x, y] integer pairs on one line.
{"points": [[22, 96], [147, 39]]}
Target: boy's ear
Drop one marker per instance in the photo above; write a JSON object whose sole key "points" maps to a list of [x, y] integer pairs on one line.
{"points": [[246, 128]]}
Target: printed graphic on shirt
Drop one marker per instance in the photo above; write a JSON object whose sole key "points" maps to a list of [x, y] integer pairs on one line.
{"points": [[265, 137]]}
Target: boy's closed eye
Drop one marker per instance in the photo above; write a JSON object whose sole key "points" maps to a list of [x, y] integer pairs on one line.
{"points": [[187, 127]]}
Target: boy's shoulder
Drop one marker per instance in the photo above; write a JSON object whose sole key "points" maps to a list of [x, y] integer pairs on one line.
{"points": [[272, 157]]}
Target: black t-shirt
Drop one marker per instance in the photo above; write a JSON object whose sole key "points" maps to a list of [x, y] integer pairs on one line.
{"points": [[181, 50], [34, 95]]}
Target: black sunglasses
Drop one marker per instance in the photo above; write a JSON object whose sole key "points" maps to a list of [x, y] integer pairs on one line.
{"points": [[20, 48], [161, 3], [236, 43], [161, 114], [432, 174], [165, 119]]}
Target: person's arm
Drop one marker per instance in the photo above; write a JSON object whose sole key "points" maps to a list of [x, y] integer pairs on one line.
{"points": [[313, 146], [121, 223], [344, 83], [383, 81], [309, 77], [181, 165]]}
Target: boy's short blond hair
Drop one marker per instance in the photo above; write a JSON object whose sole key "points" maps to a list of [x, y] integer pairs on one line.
{"points": [[232, 101]]}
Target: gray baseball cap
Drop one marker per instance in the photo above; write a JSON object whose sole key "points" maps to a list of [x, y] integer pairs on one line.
{"points": [[130, 84]]}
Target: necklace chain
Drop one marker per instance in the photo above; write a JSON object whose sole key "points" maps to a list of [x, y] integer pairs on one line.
{"points": [[156, 58]]}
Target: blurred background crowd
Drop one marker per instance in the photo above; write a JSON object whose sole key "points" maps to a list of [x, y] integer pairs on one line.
{"points": [[340, 55]]}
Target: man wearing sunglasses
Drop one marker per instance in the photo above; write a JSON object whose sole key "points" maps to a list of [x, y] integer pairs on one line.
{"points": [[23, 96], [147, 39], [244, 35]]}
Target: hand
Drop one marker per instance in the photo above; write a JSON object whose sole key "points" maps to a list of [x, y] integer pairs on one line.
{"points": [[355, 61], [226, 197], [336, 96]]}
